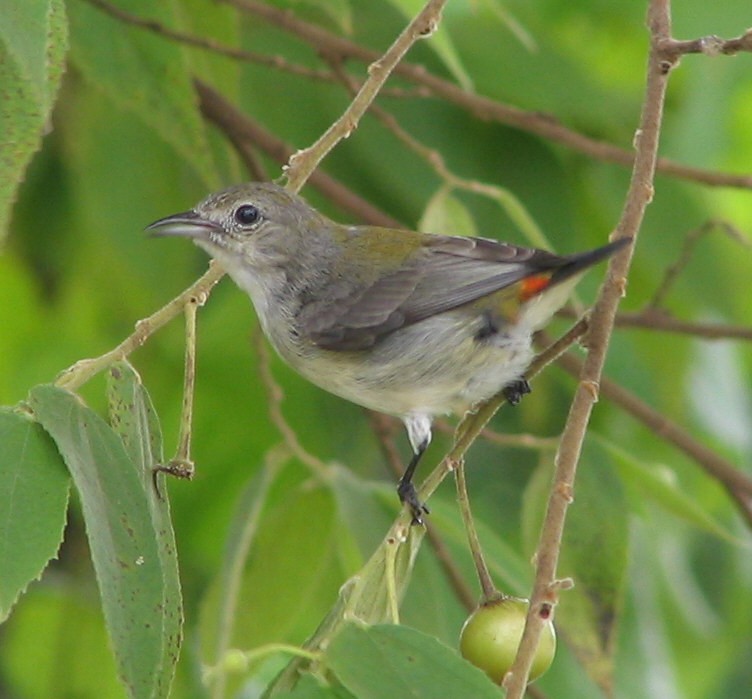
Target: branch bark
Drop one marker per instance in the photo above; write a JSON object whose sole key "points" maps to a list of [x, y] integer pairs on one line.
{"points": [[545, 589], [544, 125]]}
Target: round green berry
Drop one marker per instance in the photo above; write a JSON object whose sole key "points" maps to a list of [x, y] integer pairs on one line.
{"points": [[491, 635]]}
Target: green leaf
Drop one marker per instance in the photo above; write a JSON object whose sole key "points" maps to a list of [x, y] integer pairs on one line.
{"points": [[371, 595], [33, 502], [309, 688], [513, 207], [367, 509], [222, 611], [144, 73], [385, 661], [279, 595], [363, 513], [33, 44], [515, 27], [337, 11], [658, 483], [720, 393], [134, 419], [128, 554], [447, 215]]}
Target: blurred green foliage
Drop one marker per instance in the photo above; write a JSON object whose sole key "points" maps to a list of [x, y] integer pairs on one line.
{"points": [[661, 605]]}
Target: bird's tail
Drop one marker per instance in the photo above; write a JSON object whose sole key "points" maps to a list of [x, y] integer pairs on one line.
{"points": [[581, 261]]}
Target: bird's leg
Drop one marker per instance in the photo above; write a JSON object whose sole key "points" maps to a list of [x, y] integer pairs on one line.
{"points": [[406, 489], [514, 391]]}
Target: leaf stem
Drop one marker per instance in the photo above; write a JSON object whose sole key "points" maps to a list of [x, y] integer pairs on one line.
{"points": [[181, 465], [487, 586]]}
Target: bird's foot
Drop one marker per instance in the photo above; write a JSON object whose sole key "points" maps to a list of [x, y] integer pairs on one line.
{"points": [[409, 496], [514, 391]]}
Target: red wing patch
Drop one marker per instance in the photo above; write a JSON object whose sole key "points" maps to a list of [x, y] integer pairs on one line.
{"points": [[533, 285]]}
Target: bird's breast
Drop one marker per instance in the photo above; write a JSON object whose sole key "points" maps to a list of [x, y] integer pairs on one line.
{"points": [[440, 365]]}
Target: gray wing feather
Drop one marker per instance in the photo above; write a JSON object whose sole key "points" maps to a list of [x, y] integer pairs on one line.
{"points": [[449, 272]]}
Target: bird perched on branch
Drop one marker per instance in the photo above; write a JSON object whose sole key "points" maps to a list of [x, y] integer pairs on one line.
{"points": [[405, 323]]}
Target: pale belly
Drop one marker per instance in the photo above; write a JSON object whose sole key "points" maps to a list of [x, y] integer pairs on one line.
{"points": [[438, 366]]}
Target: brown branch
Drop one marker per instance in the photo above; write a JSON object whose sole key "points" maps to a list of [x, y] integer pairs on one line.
{"points": [[545, 589], [200, 42], [543, 125], [711, 45], [518, 441], [275, 398], [662, 321], [304, 162], [655, 319]]}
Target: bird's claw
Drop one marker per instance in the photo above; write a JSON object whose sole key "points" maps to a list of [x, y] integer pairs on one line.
{"points": [[409, 496], [514, 391]]}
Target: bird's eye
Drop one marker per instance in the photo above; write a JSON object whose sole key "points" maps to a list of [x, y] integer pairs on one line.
{"points": [[247, 214]]}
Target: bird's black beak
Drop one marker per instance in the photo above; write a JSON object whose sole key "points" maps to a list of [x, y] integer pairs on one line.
{"points": [[187, 224]]}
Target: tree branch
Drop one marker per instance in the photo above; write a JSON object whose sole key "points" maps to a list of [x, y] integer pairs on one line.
{"points": [[711, 45], [201, 42], [243, 132], [545, 589], [543, 125], [303, 163], [663, 321]]}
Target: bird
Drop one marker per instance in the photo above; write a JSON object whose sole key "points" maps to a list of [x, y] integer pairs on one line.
{"points": [[406, 323]]}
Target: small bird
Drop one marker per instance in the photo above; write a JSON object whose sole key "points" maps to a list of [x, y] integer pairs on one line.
{"points": [[405, 323]]}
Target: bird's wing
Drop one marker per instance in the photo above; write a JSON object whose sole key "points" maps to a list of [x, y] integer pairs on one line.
{"points": [[446, 273]]}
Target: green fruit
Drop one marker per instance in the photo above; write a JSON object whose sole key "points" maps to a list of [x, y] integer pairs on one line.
{"points": [[491, 635]]}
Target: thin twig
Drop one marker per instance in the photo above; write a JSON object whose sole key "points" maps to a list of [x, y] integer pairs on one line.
{"points": [[518, 441], [488, 589], [657, 319], [79, 373], [650, 319], [544, 125], [711, 45], [181, 465], [304, 162], [690, 241], [545, 589], [201, 42], [275, 399], [240, 129]]}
